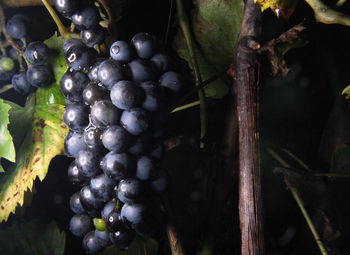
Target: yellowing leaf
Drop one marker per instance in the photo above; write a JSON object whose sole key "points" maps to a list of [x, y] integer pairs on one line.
{"points": [[283, 8], [7, 149]]}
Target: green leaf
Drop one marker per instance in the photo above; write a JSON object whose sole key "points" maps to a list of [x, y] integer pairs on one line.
{"points": [[7, 149], [32, 238], [39, 136], [216, 25], [138, 246]]}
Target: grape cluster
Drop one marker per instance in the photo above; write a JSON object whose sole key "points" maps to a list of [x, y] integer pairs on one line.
{"points": [[12, 66], [115, 113]]}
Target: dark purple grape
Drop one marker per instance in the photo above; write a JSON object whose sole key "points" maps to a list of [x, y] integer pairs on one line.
{"points": [[135, 214], [92, 137], [76, 116], [86, 18], [110, 72], [93, 93], [116, 138], [130, 191], [146, 168], [141, 70], [152, 101], [73, 84], [103, 237], [80, 224], [93, 36], [126, 94], [114, 221], [118, 165], [91, 244], [88, 200], [156, 150], [66, 7], [37, 52], [73, 143], [39, 75], [141, 145], [160, 183], [71, 42], [87, 162], [74, 175], [160, 62], [122, 238], [104, 113], [135, 120], [17, 26], [107, 209], [93, 70], [144, 44], [121, 51], [20, 83], [171, 81], [102, 187], [75, 204], [79, 57]]}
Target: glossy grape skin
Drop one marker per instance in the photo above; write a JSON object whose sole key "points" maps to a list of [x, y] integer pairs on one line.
{"points": [[91, 244], [107, 209], [74, 175], [114, 221], [104, 113], [135, 121], [152, 101], [126, 94], [121, 51], [118, 165], [135, 214], [39, 75], [92, 138], [93, 93], [115, 138], [79, 57], [20, 83], [93, 70], [66, 7], [87, 162], [73, 143], [141, 70], [93, 36], [37, 52], [71, 42], [146, 168], [171, 81], [80, 224], [86, 18], [160, 62], [75, 204], [110, 72], [102, 187], [76, 116], [88, 200], [17, 26], [122, 238], [73, 84], [144, 44], [131, 191]]}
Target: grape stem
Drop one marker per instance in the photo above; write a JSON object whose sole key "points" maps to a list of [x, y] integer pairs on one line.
{"points": [[109, 12], [61, 28], [175, 245], [184, 24], [186, 106], [6, 88]]}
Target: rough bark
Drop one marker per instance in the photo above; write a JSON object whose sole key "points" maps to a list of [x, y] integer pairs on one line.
{"points": [[246, 88]]}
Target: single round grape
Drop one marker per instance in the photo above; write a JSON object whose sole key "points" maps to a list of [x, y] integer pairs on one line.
{"points": [[75, 204], [110, 72], [135, 214], [79, 57], [66, 7], [73, 84], [73, 143], [76, 116], [121, 51], [39, 75], [118, 165], [135, 121], [144, 44], [114, 221], [80, 224], [93, 70], [7, 64], [107, 209], [103, 237], [152, 100], [160, 62], [141, 70], [122, 238], [71, 42], [171, 81], [146, 168], [102, 187], [88, 200], [104, 113], [115, 138], [126, 94], [74, 175], [93, 36], [17, 26], [91, 244], [130, 191], [88, 163], [86, 18], [92, 138], [20, 83], [37, 52], [93, 93]]}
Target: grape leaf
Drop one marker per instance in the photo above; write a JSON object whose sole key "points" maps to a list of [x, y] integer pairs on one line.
{"points": [[138, 246], [284, 8], [216, 25], [36, 237], [7, 149], [41, 132]]}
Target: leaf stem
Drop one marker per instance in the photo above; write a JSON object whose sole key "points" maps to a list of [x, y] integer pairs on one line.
{"points": [[6, 88], [186, 106], [175, 245], [61, 28], [184, 24]]}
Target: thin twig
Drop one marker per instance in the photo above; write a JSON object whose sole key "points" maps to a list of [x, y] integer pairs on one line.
{"points": [[186, 106], [184, 24], [175, 245], [111, 19], [6, 88], [168, 24]]}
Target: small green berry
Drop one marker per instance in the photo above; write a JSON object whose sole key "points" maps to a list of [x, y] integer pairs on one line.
{"points": [[7, 64], [100, 224]]}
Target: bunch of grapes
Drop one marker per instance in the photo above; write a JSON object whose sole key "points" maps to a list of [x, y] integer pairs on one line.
{"points": [[115, 113], [24, 62]]}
